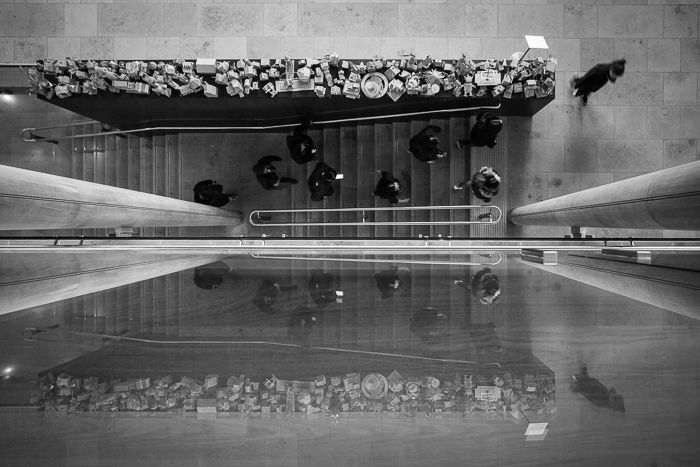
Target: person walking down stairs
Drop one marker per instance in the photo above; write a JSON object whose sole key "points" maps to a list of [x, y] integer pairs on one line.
{"points": [[301, 147], [484, 131], [321, 181], [390, 189], [484, 184], [425, 145], [267, 173], [212, 194]]}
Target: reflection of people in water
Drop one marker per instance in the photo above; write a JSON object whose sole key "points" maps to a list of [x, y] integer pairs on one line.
{"points": [[430, 325], [267, 294], [322, 288], [484, 286], [596, 392], [301, 322], [210, 276], [388, 281]]}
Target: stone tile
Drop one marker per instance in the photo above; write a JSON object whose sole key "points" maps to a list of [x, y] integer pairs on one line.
{"points": [[563, 120], [130, 48], [7, 49], [263, 46], [690, 121], [163, 48], [230, 47], [470, 46], [630, 121], [681, 21], [96, 47], [9, 20], [518, 20], [581, 155], [59, 47], [560, 184], [567, 52], [381, 20], [230, 20], [329, 20], [663, 122], [595, 51], [677, 152], [280, 19], [394, 47], [631, 155], [497, 47], [664, 55], [634, 51], [180, 19], [197, 47], [538, 155], [363, 47], [327, 45], [527, 188], [597, 121], [630, 21], [580, 20], [81, 20], [520, 128], [680, 88], [590, 180], [436, 47], [633, 89], [481, 20], [690, 55], [136, 20], [37, 20], [429, 20], [300, 46], [27, 49]]}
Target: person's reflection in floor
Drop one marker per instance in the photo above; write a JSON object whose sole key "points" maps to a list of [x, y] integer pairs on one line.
{"points": [[596, 392], [484, 286], [322, 288], [268, 293], [301, 323], [430, 325], [210, 276], [389, 281]]}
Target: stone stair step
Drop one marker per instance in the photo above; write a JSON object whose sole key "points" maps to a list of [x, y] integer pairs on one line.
{"points": [[458, 172], [383, 160], [401, 163], [440, 181], [348, 193], [420, 185], [365, 182], [331, 147]]}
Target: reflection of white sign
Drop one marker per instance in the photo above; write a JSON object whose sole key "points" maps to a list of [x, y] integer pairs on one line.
{"points": [[536, 429], [536, 42]]}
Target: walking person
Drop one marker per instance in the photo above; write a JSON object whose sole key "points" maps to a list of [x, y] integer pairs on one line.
{"points": [[596, 78], [484, 184], [425, 145], [212, 194], [301, 147], [321, 181], [390, 189], [267, 173], [484, 131]]}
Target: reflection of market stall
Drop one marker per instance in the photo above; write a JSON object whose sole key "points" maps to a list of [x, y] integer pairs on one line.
{"points": [[129, 95]]}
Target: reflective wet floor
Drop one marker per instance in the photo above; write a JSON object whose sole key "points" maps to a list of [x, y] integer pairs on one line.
{"points": [[299, 319]]}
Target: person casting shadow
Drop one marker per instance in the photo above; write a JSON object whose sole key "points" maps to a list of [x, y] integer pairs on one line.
{"points": [[390, 189], [210, 276], [212, 194], [596, 78], [301, 147], [425, 145], [484, 131], [321, 181], [267, 173], [268, 293], [388, 282], [595, 392], [322, 288], [484, 184]]}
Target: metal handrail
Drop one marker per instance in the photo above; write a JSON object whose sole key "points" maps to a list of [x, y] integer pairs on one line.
{"points": [[32, 138], [379, 260], [261, 214]]}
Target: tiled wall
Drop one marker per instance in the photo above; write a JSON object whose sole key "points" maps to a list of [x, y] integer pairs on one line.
{"points": [[649, 120]]}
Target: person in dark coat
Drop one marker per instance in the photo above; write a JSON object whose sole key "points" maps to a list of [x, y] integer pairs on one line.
{"points": [[424, 145], [321, 181], [301, 146], [596, 392], [322, 288], [212, 194], [484, 131], [267, 173], [484, 184], [389, 188], [596, 78]]}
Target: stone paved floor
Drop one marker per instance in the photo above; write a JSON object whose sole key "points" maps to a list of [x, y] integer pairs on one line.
{"points": [[647, 121]]}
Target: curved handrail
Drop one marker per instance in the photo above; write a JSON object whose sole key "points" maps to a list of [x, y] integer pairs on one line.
{"points": [[379, 260], [262, 213], [35, 138]]}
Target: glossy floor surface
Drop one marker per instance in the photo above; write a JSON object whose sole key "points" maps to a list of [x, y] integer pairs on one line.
{"points": [[650, 356]]}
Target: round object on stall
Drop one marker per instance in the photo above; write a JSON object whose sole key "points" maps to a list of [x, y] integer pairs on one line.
{"points": [[374, 386], [374, 85]]}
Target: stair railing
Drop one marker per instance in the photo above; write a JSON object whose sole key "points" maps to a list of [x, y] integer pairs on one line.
{"points": [[489, 254], [30, 135], [260, 218]]}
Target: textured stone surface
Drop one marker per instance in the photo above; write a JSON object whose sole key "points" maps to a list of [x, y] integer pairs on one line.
{"points": [[597, 121], [436, 47], [380, 20], [663, 122], [329, 20], [563, 120], [62, 47], [664, 55], [197, 47], [136, 20], [481, 20], [633, 88], [630, 122], [581, 155], [27, 49], [300, 46], [394, 47], [327, 45], [634, 51], [567, 52], [677, 152], [629, 155], [81, 20], [263, 47], [580, 20], [230, 47], [160, 47], [595, 51], [680, 88], [229, 20], [471, 46], [681, 21], [630, 21], [690, 121], [96, 47], [429, 20], [497, 47], [129, 48], [690, 55], [180, 19], [518, 20], [539, 155], [280, 19]]}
